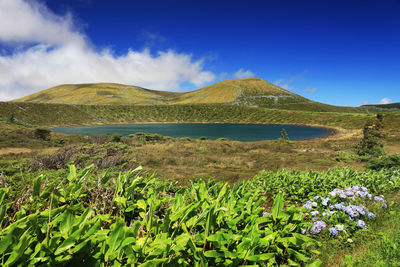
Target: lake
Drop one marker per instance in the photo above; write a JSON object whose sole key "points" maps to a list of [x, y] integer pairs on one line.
{"points": [[239, 132]]}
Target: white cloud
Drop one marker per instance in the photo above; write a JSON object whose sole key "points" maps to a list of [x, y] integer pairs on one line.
{"points": [[287, 84], [55, 52], [309, 89], [283, 84], [385, 101], [241, 74]]}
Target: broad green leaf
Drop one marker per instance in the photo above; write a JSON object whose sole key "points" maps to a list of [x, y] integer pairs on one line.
{"points": [[115, 238], [261, 257], [278, 206], [155, 262], [213, 254], [315, 263]]}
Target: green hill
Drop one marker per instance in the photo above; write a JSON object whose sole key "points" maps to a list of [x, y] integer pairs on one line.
{"points": [[242, 92], [44, 114], [383, 107]]}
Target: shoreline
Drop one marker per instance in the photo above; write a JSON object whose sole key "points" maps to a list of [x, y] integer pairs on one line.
{"points": [[333, 131]]}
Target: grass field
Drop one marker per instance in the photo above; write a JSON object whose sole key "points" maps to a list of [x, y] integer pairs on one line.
{"points": [[40, 114]]}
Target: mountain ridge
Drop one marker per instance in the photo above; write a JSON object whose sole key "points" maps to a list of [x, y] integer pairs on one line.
{"points": [[242, 92]]}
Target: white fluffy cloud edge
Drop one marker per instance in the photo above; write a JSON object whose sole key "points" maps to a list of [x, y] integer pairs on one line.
{"points": [[49, 50], [385, 101]]}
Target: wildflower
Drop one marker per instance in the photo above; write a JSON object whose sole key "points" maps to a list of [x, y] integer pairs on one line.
{"points": [[371, 215], [384, 205], [316, 197], [314, 204], [361, 224], [266, 213], [342, 195], [303, 231], [333, 231], [377, 198]]}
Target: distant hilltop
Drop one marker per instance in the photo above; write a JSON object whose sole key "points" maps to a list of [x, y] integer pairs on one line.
{"points": [[243, 92]]}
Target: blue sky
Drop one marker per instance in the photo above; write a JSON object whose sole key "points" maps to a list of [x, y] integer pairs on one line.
{"points": [[336, 52]]}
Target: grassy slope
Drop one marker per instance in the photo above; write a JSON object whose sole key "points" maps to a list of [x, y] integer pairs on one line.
{"points": [[62, 114], [243, 92], [383, 107]]}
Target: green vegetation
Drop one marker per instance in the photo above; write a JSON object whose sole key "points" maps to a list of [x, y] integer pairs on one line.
{"points": [[131, 219], [383, 107], [59, 114], [284, 135], [372, 144]]}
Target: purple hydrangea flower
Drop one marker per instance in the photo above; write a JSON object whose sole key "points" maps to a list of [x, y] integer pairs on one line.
{"points": [[339, 206], [325, 201], [349, 193], [333, 231], [351, 211], [362, 194], [325, 214], [361, 224], [317, 227], [308, 205], [356, 188], [364, 189]]}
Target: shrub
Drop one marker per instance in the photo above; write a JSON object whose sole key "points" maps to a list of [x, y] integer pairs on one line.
{"points": [[99, 138], [11, 118], [43, 134], [116, 137], [284, 135], [371, 143], [384, 162]]}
